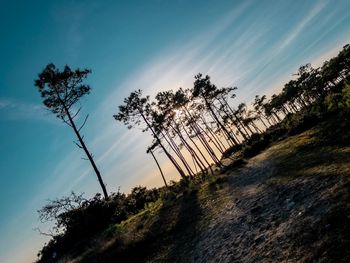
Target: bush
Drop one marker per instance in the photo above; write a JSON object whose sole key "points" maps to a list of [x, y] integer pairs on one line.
{"points": [[78, 219], [139, 197], [336, 102], [217, 182], [255, 145], [301, 122], [231, 150]]}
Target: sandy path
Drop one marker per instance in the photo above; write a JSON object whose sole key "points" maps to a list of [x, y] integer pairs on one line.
{"points": [[264, 222]]}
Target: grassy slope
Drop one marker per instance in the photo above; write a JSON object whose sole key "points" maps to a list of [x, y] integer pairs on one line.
{"points": [[291, 202]]}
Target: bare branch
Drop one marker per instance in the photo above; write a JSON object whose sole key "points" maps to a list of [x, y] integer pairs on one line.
{"points": [[87, 116], [76, 113], [85, 159], [77, 144], [66, 122], [50, 234]]}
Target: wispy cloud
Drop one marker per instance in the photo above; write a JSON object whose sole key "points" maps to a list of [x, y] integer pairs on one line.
{"points": [[115, 148], [236, 50], [15, 110], [230, 54], [302, 25], [119, 153], [71, 17], [231, 59]]}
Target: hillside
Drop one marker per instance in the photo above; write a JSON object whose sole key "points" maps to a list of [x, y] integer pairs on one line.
{"points": [[290, 203], [266, 184]]}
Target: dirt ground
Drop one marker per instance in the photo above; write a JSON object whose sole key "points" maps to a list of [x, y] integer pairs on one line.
{"points": [[284, 208], [291, 203]]}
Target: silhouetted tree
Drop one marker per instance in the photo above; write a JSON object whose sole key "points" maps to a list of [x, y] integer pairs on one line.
{"points": [[173, 106], [137, 109], [258, 107], [208, 92], [150, 150], [61, 90], [230, 115]]}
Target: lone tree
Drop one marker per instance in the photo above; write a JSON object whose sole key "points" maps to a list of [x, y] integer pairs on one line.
{"points": [[60, 91]]}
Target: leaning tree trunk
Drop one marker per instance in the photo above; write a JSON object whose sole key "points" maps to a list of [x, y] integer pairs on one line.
{"points": [[219, 123], [160, 169], [191, 151], [195, 145], [177, 151], [205, 144], [173, 161], [88, 154], [212, 139], [194, 127], [237, 122]]}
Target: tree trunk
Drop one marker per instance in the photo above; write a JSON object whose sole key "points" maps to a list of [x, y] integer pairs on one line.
{"points": [[176, 149], [235, 122], [195, 145], [196, 131], [220, 124], [83, 146], [221, 146], [160, 169], [189, 148], [239, 123], [173, 161], [262, 121], [212, 139]]}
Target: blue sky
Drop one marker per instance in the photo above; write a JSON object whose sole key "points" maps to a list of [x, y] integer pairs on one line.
{"points": [[151, 45]]}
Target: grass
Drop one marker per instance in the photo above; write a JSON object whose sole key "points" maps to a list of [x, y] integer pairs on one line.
{"points": [[164, 231], [317, 173]]}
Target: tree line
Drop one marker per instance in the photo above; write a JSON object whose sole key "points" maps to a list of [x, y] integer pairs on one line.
{"points": [[202, 123], [195, 127]]}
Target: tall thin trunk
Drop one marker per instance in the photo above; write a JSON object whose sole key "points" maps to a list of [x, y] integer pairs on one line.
{"points": [[229, 143], [88, 154], [220, 124], [173, 161], [160, 169], [239, 124], [256, 127], [268, 118], [205, 144], [212, 139], [277, 117], [214, 136], [248, 127], [195, 145], [189, 149], [234, 135], [202, 140], [262, 121], [236, 121], [179, 154], [293, 107]]}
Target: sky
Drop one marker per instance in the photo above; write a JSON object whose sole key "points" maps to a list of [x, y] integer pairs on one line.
{"points": [[151, 45]]}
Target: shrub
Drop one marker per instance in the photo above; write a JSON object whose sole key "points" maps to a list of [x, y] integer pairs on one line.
{"points": [[78, 219], [231, 150], [255, 145], [139, 197]]}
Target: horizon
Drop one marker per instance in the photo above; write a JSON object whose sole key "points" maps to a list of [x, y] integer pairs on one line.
{"points": [[155, 46]]}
